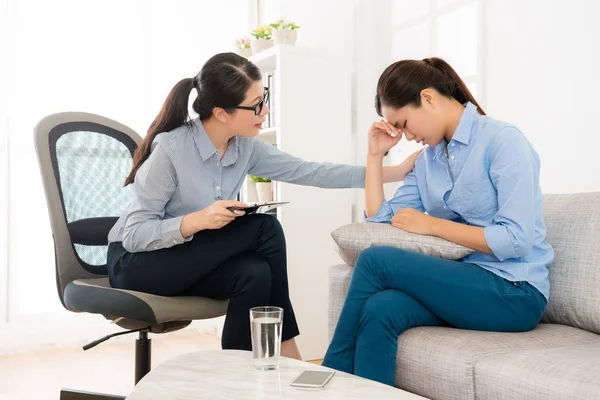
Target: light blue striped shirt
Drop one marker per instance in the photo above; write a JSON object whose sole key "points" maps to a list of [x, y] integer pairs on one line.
{"points": [[185, 173], [490, 179]]}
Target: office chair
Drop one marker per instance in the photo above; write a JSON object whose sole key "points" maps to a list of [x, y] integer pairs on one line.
{"points": [[84, 159]]}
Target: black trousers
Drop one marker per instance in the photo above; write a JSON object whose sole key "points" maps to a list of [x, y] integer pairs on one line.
{"points": [[245, 262]]}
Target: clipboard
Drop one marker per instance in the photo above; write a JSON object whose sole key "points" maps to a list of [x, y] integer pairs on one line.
{"points": [[259, 207]]}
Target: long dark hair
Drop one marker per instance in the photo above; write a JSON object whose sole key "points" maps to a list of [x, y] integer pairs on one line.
{"points": [[222, 82], [402, 82]]}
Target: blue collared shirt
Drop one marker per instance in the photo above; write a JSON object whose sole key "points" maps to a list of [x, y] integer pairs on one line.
{"points": [[185, 173], [490, 179]]}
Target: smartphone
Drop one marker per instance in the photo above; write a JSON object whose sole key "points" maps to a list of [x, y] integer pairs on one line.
{"points": [[311, 379]]}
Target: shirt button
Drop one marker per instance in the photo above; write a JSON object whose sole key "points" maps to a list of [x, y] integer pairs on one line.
{"points": [[445, 208], [452, 157], [174, 241], [218, 187], [451, 144]]}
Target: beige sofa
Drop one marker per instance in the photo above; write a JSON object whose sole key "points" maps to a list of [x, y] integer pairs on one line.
{"points": [[560, 359]]}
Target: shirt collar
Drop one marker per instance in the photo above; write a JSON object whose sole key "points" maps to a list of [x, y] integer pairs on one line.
{"points": [[463, 131], [207, 149], [232, 152]]}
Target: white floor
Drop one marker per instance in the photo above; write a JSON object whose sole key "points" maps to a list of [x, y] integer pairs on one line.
{"points": [[107, 368]]}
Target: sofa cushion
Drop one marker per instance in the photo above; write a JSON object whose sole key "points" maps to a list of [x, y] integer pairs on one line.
{"points": [[439, 362], [571, 372], [573, 224], [352, 239]]}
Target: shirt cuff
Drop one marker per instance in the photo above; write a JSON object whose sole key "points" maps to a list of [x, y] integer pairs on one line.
{"points": [[358, 177], [383, 216], [171, 231], [498, 240]]}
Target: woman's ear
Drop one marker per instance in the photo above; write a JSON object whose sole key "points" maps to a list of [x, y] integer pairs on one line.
{"points": [[221, 115], [429, 98]]}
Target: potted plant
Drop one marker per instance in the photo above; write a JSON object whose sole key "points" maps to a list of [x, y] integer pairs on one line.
{"points": [[262, 39], [242, 46], [285, 32], [264, 187]]}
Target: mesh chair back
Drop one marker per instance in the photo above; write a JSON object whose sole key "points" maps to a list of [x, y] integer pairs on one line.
{"points": [[83, 159]]}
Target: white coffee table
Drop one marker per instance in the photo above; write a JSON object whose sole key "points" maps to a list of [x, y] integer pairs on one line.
{"points": [[229, 374]]}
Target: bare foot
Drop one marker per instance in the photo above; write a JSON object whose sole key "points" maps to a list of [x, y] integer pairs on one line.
{"points": [[290, 349]]}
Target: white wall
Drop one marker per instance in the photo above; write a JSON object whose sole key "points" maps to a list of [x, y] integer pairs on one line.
{"points": [[372, 56], [542, 63], [4, 103], [327, 25]]}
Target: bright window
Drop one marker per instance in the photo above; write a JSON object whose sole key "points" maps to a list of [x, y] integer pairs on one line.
{"points": [[116, 58]]}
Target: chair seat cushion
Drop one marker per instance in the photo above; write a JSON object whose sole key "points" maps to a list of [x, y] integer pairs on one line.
{"points": [[96, 296], [571, 372], [439, 363]]}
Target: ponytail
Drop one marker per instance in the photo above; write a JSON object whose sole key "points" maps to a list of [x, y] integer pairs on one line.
{"points": [[173, 114], [460, 90], [402, 82]]}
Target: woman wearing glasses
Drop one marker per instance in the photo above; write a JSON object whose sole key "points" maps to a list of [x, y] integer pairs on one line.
{"points": [[179, 237]]}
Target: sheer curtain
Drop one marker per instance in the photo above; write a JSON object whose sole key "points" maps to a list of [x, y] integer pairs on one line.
{"points": [[116, 58]]}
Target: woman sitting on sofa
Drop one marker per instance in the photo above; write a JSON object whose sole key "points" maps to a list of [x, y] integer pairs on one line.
{"points": [[477, 185]]}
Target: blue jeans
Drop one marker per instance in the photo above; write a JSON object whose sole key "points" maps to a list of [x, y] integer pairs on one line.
{"points": [[393, 290]]}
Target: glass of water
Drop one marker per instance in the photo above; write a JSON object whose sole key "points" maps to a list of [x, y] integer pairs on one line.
{"points": [[265, 328]]}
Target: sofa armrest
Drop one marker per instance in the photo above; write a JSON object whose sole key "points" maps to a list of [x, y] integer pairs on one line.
{"points": [[339, 280]]}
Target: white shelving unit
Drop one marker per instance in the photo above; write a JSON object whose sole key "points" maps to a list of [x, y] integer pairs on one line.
{"points": [[268, 133], [311, 105]]}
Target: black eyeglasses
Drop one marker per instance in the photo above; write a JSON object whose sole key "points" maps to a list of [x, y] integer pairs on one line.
{"points": [[259, 106]]}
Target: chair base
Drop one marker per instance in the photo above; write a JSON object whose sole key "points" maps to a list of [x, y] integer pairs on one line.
{"points": [[68, 394], [143, 357]]}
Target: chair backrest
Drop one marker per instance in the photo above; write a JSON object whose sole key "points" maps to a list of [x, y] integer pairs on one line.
{"points": [[83, 159], [573, 224]]}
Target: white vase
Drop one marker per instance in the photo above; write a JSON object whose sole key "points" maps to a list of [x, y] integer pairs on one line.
{"points": [[264, 191], [246, 52], [285, 36], [250, 195], [259, 45]]}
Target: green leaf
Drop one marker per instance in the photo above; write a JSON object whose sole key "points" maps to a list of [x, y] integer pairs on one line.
{"points": [[258, 179]]}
